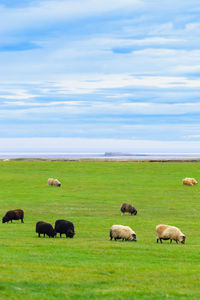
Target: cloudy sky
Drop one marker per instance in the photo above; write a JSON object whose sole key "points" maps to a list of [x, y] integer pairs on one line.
{"points": [[117, 69]]}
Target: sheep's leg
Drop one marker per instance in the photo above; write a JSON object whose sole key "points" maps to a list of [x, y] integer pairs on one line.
{"points": [[115, 239], [43, 235], [176, 241], [157, 240], [170, 241], [60, 234], [38, 234], [66, 235], [22, 221], [161, 240]]}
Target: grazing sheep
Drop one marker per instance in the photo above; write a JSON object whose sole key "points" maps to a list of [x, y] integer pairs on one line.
{"points": [[189, 181], [13, 215], [128, 208], [45, 228], [52, 181], [64, 227], [122, 232], [167, 232]]}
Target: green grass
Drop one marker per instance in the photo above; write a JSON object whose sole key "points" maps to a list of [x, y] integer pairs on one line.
{"points": [[90, 266]]}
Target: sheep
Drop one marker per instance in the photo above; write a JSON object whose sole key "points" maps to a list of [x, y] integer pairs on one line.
{"points": [[122, 232], [13, 215], [45, 228], [64, 227], [53, 181], [189, 181], [167, 232], [128, 208]]}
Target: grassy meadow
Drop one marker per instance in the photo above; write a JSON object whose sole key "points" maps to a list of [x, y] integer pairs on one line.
{"points": [[90, 266]]}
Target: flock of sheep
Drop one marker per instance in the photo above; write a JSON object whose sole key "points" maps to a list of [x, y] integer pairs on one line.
{"points": [[164, 232], [61, 226]]}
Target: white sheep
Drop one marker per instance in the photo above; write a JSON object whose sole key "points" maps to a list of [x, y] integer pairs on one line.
{"points": [[52, 181], [122, 232], [167, 232], [189, 181]]}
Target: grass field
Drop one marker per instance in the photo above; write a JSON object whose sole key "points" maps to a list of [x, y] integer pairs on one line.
{"points": [[90, 266]]}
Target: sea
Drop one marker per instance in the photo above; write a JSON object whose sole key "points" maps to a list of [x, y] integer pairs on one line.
{"points": [[105, 155]]}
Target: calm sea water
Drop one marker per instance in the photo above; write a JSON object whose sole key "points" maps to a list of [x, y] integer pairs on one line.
{"points": [[7, 155]]}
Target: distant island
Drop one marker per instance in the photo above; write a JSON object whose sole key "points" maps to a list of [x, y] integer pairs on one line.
{"points": [[123, 154]]}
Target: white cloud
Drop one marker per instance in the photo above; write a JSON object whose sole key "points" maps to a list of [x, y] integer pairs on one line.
{"points": [[114, 81], [17, 94], [109, 42], [196, 136], [84, 108], [94, 84], [51, 12], [44, 104], [187, 69], [192, 28]]}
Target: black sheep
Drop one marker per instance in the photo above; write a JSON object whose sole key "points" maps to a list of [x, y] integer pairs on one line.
{"points": [[45, 228], [64, 227], [13, 215], [128, 208]]}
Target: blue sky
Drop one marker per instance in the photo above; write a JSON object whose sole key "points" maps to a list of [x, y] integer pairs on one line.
{"points": [[117, 69]]}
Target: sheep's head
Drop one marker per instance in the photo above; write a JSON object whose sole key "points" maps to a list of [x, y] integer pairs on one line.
{"points": [[135, 212], [182, 239], [194, 181], [70, 234], [134, 237], [4, 219], [53, 233]]}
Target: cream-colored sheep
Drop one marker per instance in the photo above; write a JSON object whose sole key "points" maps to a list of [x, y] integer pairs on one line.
{"points": [[122, 232], [52, 181], [167, 232], [189, 181]]}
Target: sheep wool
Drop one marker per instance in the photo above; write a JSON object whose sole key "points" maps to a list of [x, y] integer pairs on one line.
{"points": [[128, 208], [122, 232], [167, 232], [189, 181], [50, 181], [53, 181]]}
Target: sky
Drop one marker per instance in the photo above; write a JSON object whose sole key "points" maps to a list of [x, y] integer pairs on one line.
{"points": [[100, 70]]}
